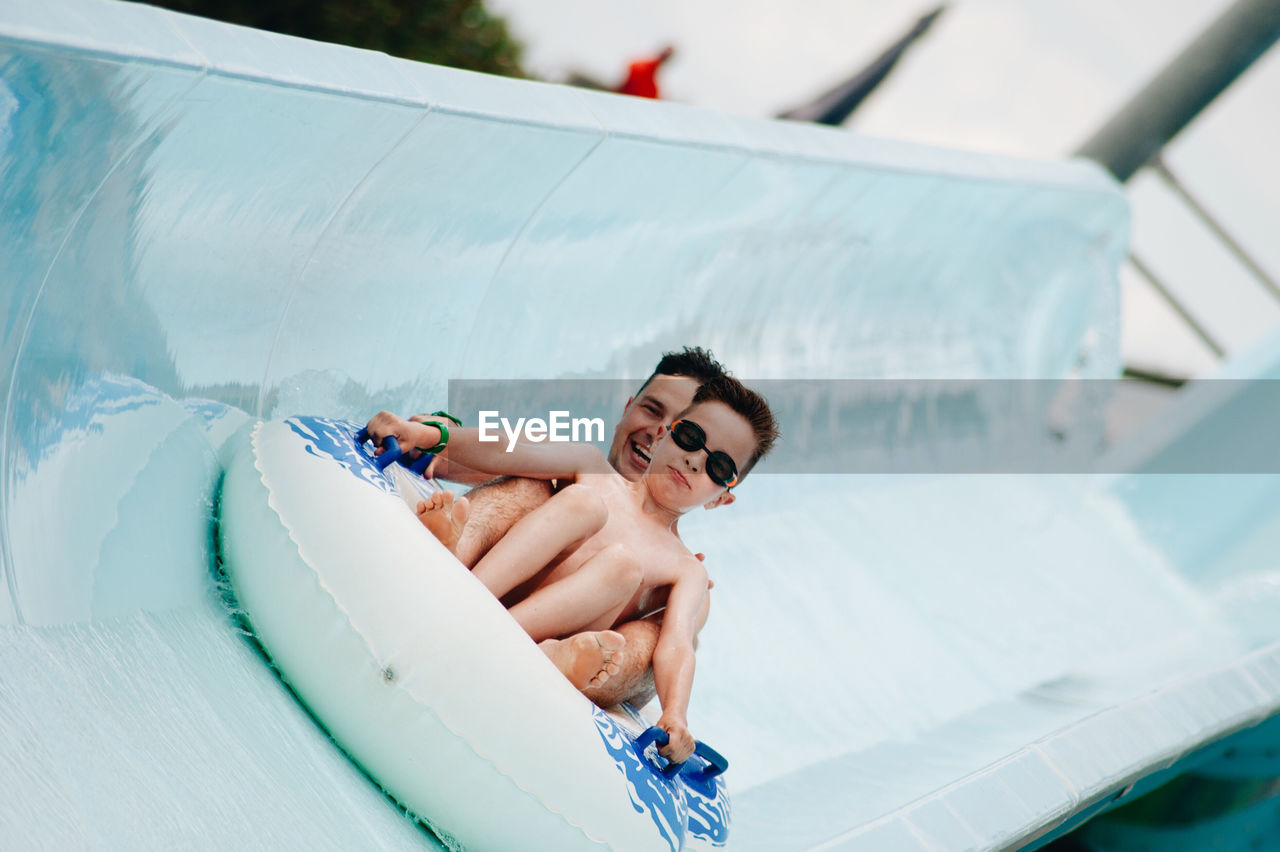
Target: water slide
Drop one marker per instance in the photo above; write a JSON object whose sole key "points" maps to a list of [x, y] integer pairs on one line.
{"points": [[202, 225]]}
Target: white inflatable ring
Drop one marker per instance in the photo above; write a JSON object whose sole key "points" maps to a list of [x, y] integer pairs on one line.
{"points": [[421, 676]]}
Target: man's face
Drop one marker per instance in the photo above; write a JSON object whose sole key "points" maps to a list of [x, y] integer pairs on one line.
{"points": [[657, 404], [677, 478]]}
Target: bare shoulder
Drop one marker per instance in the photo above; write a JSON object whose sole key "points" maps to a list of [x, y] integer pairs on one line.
{"points": [[670, 563], [604, 475], [690, 569]]}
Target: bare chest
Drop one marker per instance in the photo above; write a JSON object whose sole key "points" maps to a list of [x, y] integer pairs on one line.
{"points": [[648, 542]]}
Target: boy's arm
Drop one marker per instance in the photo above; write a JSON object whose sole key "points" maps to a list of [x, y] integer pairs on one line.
{"points": [[673, 659], [540, 461]]}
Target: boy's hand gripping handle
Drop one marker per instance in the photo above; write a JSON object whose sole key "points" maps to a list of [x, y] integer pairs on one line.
{"points": [[713, 762], [390, 454], [394, 453]]}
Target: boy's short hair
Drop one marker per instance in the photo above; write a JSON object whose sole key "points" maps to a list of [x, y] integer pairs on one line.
{"points": [[746, 402], [692, 361]]}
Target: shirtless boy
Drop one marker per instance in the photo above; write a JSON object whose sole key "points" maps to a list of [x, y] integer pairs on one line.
{"points": [[493, 506], [603, 550], [470, 525]]}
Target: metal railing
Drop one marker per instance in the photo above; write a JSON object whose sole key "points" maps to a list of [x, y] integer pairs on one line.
{"points": [[1139, 131]]}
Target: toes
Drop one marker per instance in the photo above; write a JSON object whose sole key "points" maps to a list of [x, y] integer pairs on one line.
{"points": [[438, 501], [461, 510], [611, 642]]}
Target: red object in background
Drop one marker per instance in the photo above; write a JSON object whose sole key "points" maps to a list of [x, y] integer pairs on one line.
{"points": [[642, 76]]}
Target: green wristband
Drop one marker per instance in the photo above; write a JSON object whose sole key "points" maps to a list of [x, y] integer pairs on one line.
{"points": [[455, 420], [444, 437]]}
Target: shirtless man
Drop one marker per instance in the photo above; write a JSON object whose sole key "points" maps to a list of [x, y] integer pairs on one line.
{"points": [[603, 550], [490, 509]]}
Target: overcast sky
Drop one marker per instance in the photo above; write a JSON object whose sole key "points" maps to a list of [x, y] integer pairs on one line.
{"points": [[1005, 76]]}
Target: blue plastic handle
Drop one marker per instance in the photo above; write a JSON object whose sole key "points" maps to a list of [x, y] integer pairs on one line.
{"points": [[661, 737], [389, 456], [419, 465], [395, 454], [715, 762]]}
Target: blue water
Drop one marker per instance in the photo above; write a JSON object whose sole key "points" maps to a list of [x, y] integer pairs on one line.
{"points": [[201, 225]]}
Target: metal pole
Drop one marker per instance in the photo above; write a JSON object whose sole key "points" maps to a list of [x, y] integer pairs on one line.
{"points": [[1187, 85], [1172, 301], [1234, 247]]}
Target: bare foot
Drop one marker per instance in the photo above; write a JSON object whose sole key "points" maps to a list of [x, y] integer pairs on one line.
{"points": [[586, 659], [445, 517]]}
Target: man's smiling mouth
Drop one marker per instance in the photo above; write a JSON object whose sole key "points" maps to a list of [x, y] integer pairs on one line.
{"points": [[642, 453]]}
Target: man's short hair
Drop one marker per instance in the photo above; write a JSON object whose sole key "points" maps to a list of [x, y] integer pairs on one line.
{"points": [[746, 402], [692, 361]]}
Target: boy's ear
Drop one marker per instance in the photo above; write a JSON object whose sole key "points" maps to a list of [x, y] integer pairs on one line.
{"points": [[726, 497]]}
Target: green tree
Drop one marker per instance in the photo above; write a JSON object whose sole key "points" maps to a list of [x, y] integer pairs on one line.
{"points": [[460, 33]]}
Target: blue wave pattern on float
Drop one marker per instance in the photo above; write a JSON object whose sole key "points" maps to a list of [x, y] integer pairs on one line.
{"points": [[706, 799], [708, 809], [336, 440], [649, 791]]}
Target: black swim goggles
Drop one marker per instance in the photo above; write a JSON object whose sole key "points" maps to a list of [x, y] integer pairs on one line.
{"points": [[720, 467]]}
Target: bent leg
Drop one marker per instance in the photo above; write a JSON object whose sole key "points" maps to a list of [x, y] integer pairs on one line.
{"points": [[536, 540], [590, 598], [496, 507]]}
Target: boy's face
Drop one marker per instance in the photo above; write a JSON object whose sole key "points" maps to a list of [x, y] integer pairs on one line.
{"points": [[677, 478], [643, 419]]}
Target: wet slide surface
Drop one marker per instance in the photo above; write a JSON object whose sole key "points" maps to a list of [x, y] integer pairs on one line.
{"points": [[203, 225]]}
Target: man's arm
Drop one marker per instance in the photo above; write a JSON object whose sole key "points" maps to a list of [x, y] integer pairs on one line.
{"points": [[559, 460], [673, 659], [441, 468]]}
